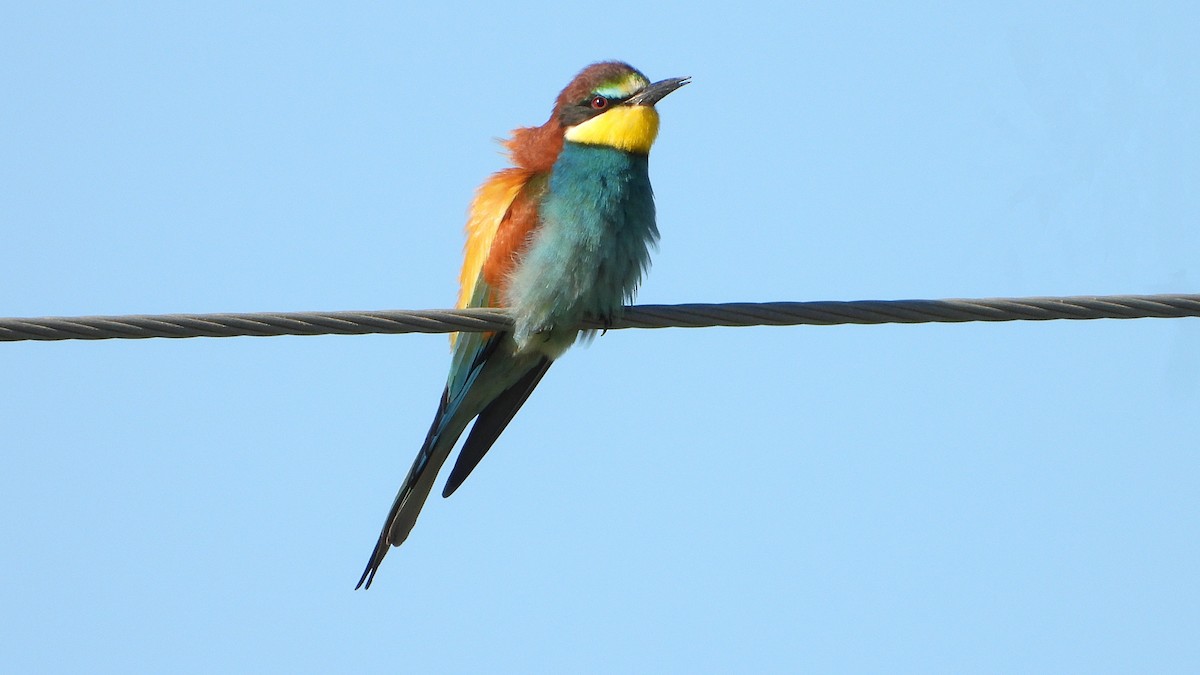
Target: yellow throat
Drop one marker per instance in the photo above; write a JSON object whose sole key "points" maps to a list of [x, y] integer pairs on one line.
{"points": [[628, 128]]}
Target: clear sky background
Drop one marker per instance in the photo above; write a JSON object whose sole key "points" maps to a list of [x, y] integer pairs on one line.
{"points": [[953, 498]]}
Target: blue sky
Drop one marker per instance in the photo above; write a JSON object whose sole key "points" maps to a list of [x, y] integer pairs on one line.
{"points": [[956, 498]]}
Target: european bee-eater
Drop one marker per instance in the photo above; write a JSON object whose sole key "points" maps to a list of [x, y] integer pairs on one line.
{"points": [[562, 235]]}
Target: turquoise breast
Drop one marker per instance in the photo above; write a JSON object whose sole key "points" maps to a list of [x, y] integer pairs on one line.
{"points": [[590, 249]]}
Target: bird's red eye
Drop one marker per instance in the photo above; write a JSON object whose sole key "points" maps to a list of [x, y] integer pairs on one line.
{"points": [[599, 103]]}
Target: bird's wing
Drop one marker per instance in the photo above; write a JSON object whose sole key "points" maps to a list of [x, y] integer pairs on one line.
{"points": [[495, 212], [503, 214], [504, 238]]}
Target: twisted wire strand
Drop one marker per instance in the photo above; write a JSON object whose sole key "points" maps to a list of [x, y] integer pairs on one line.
{"points": [[826, 313]]}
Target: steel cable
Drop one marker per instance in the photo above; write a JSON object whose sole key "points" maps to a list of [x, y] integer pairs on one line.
{"points": [[639, 316]]}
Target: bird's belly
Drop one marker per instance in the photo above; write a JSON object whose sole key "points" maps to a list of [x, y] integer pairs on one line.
{"points": [[590, 249]]}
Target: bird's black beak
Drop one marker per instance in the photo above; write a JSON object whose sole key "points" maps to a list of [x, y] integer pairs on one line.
{"points": [[655, 92]]}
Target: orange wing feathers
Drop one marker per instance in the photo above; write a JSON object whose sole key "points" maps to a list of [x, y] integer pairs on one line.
{"points": [[489, 209], [513, 234]]}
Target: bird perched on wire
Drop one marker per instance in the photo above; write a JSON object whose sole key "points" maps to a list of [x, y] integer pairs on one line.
{"points": [[562, 235]]}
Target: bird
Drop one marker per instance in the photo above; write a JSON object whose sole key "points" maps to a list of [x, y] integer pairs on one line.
{"points": [[562, 235]]}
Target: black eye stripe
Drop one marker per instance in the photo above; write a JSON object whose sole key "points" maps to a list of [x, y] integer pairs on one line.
{"points": [[583, 110], [612, 101]]}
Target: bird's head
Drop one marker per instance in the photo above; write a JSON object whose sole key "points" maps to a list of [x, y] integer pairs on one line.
{"points": [[612, 104], [608, 103]]}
